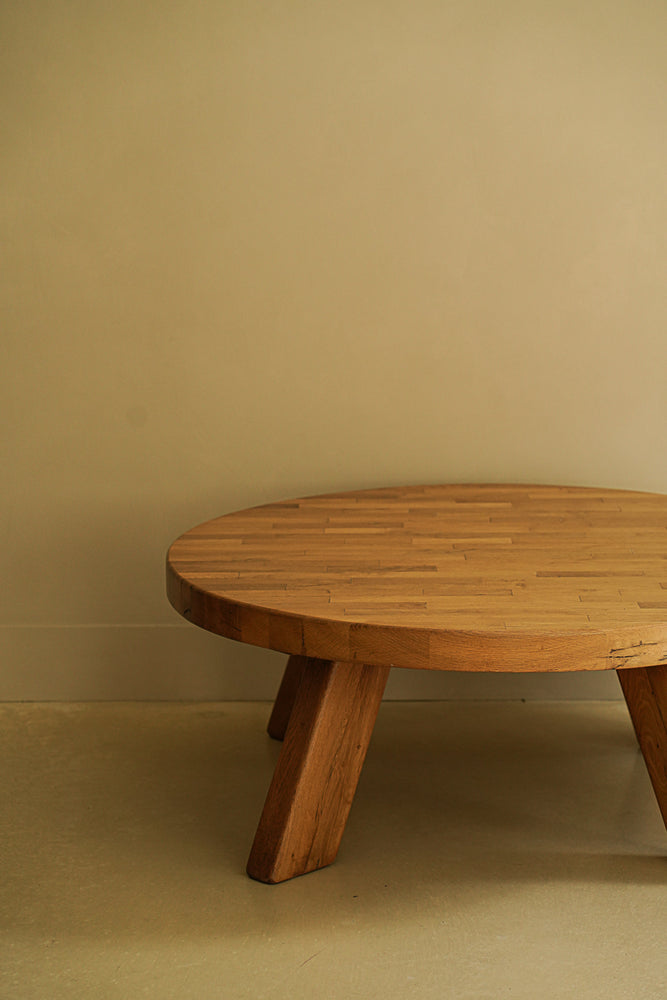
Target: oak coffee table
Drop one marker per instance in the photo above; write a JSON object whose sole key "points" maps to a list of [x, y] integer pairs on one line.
{"points": [[471, 577]]}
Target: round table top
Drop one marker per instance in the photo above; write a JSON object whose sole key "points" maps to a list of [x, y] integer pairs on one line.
{"points": [[458, 577]]}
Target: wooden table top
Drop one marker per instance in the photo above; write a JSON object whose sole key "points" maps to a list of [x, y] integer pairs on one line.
{"points": [[466, 577]]}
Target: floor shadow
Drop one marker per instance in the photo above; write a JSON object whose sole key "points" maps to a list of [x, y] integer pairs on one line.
{"points": [[143, 816]]}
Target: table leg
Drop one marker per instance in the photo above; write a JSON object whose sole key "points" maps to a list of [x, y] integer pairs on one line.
{"points": [[311, 793], [645, 690], [284, 703]]}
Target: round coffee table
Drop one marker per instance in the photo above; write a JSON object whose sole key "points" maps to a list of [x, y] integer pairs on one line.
{"points": [[465, 577]]}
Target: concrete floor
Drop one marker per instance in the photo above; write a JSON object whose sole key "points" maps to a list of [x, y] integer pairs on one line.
{"points": [[494, 850]]}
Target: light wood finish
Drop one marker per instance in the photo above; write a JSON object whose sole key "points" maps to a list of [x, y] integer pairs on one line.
{"points": [[438, 577], [503, 578], [284, 703], [318, 769], [645, 692]]}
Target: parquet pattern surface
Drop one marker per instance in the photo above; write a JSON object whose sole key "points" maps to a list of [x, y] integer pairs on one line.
{"points": [[447, 577]]}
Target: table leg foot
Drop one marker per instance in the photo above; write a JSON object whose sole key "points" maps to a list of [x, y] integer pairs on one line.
{"points": [[311, 793], [645, 690], [284, 703]]}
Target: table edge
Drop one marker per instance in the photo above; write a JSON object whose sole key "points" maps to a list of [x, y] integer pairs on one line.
{"points": [[466, 650]]}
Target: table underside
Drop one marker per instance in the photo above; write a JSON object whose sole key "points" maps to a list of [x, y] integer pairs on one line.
{"points": [[325, 712]]}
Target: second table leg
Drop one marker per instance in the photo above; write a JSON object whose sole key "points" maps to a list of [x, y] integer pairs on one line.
{"points": [[284, 703], [645, 690]]}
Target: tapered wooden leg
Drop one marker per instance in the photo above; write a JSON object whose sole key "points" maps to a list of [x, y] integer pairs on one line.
{"points": [[282, 708], [318, 769], [645, 690]]}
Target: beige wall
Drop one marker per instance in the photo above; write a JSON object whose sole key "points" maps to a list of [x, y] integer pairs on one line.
{"points": [[261, 249]]}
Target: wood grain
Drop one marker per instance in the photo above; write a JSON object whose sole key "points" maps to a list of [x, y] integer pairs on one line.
{"points": [[317, 772], [464, 577], [645, 692]]}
